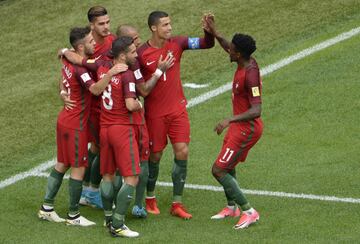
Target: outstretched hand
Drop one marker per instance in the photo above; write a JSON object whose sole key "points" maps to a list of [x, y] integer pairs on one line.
{"points": [[165, 64]]}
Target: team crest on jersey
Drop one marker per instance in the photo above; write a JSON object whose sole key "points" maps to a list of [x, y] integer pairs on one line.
{"points": [[255, 91], [115, 80]]}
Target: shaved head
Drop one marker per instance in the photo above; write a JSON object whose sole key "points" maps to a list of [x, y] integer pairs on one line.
{"points": [[131, 31]]}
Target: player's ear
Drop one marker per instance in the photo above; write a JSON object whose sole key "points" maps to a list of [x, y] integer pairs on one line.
{"points": [[92, 26], [153, 28]]}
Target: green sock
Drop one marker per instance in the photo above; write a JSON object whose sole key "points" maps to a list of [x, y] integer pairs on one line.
{"points": [[124, 198], [75, 188], [153, 175], [231, 201], [91, 157], [107, 197], [233, 190], [53, 185], [178, 177], [117, 184], [95, 177], [141, 186]]}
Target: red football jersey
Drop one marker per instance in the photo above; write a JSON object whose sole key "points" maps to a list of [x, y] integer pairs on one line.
{"points": [[101, 53], [168, 96], [113, 106], [77, 81], [246, 89]]}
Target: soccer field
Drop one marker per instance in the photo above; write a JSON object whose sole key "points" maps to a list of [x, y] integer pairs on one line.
{"points": [[310, 146]]}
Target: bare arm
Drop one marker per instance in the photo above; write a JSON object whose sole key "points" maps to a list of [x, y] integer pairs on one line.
{"points": [[98, 87], [209, 25], [70, 55], [133, 104], [252, 113], [146, 87]]}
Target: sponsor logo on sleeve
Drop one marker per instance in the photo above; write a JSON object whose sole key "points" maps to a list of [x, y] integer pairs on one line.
{"points": [[255, 91], [132, 87], [138, 74], [85, 77]]}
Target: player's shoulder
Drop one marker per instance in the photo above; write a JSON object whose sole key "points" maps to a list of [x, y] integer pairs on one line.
{"points": [[252, 65], [142, 48]]}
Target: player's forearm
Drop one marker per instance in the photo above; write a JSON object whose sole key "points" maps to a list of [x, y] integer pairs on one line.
{"points": [[253, 113], [225, 44], [208, 41], [73, 57], [146, 87], [133, 104], [98, 87]]}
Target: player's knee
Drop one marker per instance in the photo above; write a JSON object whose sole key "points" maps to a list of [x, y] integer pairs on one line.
{"points": [[217, 172], [155, 157], [181, 152]]}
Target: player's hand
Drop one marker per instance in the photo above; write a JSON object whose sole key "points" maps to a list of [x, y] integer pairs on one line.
{"points": [[219, 128], [118, 68], [68, 103], [208, 22], [60, 53], [167, 63]]}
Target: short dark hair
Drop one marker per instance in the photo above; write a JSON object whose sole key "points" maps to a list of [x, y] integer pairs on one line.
{"points": [[121, 45], [77, 34], [244, 44], [155, 16], [96, 11]]}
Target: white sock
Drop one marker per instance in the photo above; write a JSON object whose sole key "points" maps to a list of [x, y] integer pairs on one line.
{"points": [[46, 207], [231, 207], [250, 211]]}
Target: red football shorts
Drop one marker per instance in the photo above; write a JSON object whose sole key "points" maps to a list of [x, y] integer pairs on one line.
{"points": [[94, 127], [237, 143], [174, 126], [71, 147], [119, 150]]}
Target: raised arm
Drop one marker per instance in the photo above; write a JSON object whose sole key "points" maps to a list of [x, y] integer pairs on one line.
{"points": [[208, 22]]}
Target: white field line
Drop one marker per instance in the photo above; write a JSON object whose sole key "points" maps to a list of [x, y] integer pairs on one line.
{"points": [[278, 65], [250, 192], [208, 95]]}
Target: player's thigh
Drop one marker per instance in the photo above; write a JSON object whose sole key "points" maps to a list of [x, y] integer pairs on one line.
{"points": [[179, 128], [157, 130], [126, 150], [94, 127], [107, 160], [235, 149], [71, 146]]}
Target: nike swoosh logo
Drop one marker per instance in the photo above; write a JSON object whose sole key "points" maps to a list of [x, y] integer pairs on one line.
{"points": [[149, 63], [97, 57]]}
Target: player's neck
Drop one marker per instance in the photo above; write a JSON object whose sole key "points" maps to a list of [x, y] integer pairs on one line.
{"points": [[82, 54], [157, 42], [97, 38]]}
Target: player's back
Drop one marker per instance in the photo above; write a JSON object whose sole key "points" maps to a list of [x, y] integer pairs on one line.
{"points": [[75, 80]]}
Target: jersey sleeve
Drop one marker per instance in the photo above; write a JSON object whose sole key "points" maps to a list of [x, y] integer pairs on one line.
{"points": [[91, 64], [83, 76], [128, 84], [253, 85], [187, 43], [135, 68]]}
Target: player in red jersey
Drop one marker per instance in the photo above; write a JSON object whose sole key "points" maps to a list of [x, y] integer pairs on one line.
{"points": [[119, 136], [143, 88], [245, 126], [99, 21], [71, 131], [165, 106]]}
